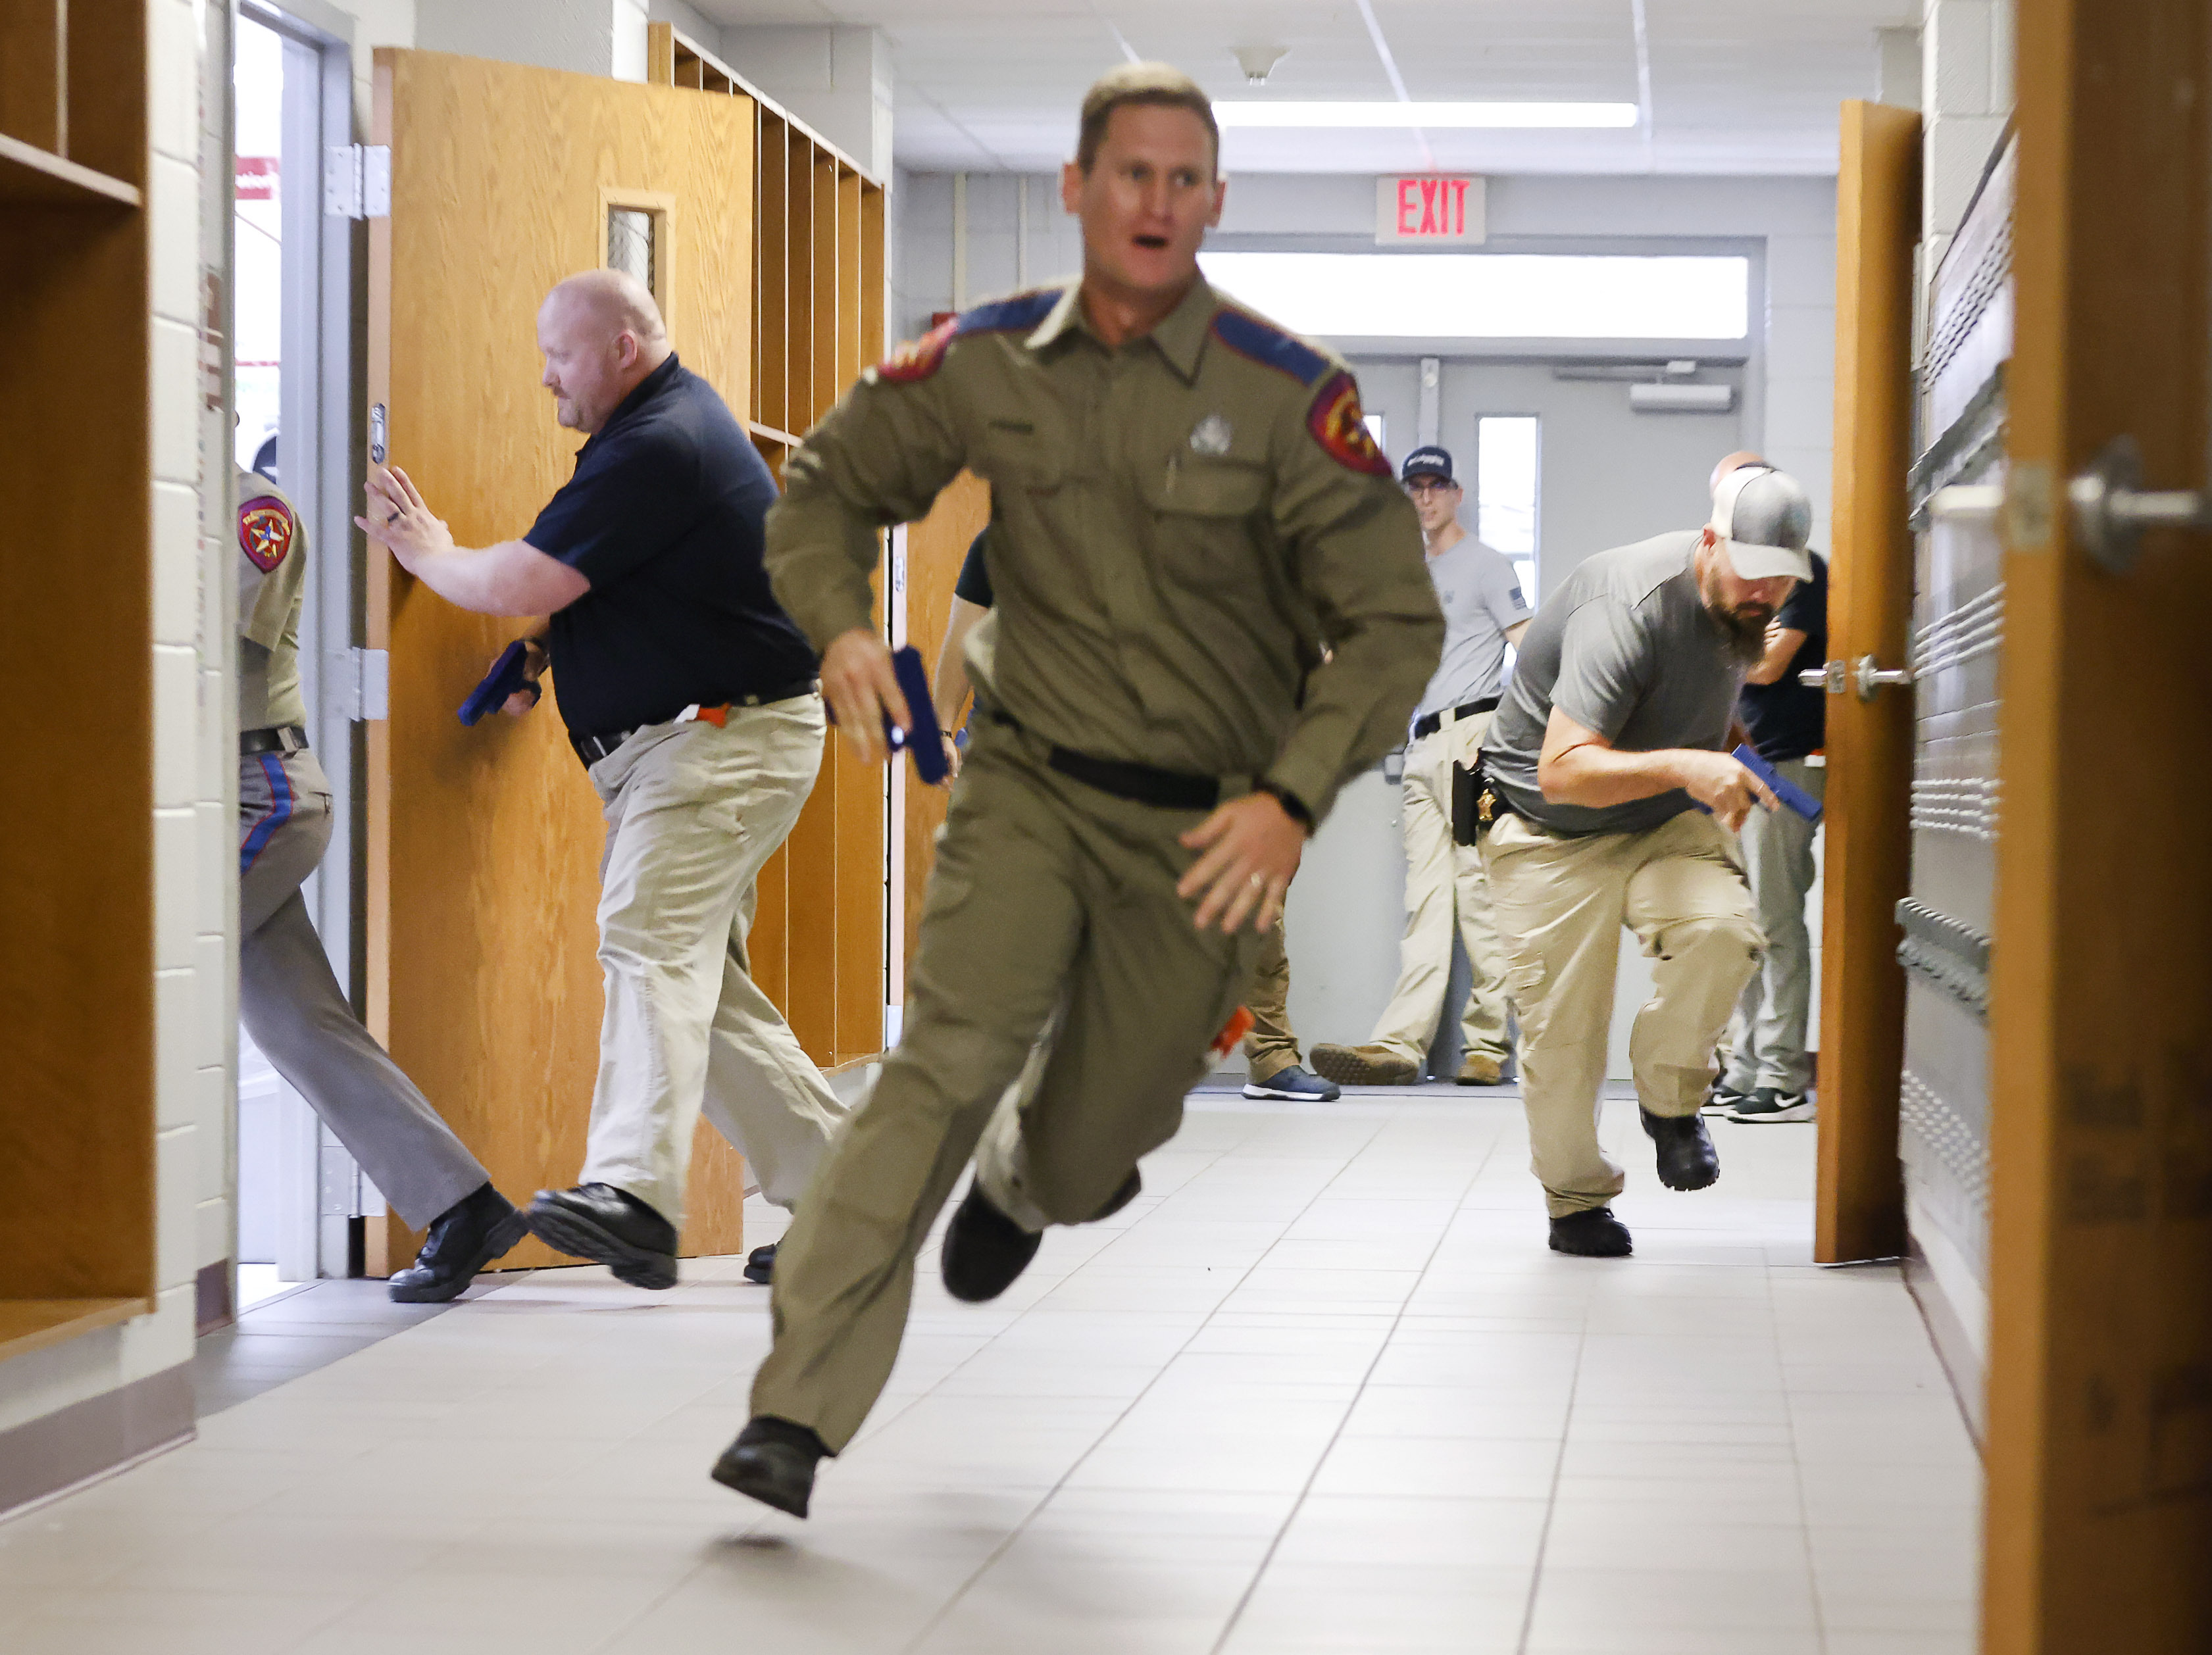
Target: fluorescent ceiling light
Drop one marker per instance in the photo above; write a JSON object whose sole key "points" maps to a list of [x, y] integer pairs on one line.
{"points": [[1439, 115]]}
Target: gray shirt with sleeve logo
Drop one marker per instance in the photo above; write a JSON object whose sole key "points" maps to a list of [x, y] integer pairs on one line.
{"points": [[1624, 648], [1480, 595]]}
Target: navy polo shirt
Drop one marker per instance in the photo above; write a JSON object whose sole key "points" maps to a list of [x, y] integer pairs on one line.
{"points": [[664, 516], [1784, 719], [974, 581]]}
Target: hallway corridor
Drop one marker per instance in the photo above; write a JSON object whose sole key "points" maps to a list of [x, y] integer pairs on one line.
{"points": [[1320, 1389]]}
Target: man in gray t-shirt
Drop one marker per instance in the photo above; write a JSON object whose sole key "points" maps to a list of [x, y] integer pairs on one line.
{"points": [[1484, 611], [1613, 732]]}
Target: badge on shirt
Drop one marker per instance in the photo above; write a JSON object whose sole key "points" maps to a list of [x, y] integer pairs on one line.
{"points": [[1341, 429], [1212, 435], [266, 530]]}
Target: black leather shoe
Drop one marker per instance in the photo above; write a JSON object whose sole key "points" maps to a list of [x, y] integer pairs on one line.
{"points": [[984, 1250], [609, 1226], [465, 1238], [772, 1460], [1593, 1233], [760, 1265], [1686, 1158]]}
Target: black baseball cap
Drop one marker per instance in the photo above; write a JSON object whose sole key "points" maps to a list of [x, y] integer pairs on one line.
{"points": [[1430, 462]]}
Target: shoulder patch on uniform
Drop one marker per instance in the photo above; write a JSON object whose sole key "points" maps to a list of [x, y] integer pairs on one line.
{"points": [[266, 529], [1019, 314], [917, 359], [1340, 427], [1268, 345]]}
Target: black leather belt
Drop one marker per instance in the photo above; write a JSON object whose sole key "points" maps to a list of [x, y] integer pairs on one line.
{"points": [[1140, 784], [1435, 721], [591, 749], [279, 738]]}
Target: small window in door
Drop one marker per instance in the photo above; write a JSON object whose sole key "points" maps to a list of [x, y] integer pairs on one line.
{"points": [[1505, 490], [630, 244]]}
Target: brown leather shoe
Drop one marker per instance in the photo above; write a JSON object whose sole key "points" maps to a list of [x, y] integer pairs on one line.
{"points": [[1478, 1070], [1363, 1065]]}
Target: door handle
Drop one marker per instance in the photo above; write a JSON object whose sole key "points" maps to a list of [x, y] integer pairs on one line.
{"points": [[2112, 508], [1833, 677], [1837, 676], [1966, 505]]}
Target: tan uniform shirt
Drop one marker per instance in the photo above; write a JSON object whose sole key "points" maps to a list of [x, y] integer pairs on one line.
{"points": [[272, 563], [1173, 523]]}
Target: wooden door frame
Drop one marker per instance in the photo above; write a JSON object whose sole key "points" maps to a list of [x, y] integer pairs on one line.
{"points": [[1860, 1206]]}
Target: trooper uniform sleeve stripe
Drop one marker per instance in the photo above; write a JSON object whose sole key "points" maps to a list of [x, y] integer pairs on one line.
{"points": [[1269, 346], [1019, 314]]}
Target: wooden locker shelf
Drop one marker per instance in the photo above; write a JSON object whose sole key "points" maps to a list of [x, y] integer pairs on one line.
{"points": [[32, 176]]}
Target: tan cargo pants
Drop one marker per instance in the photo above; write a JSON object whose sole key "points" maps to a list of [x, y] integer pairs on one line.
{"points": [[693, 812], [1444, 889], [1052, 903], [1272, 1045], [1561, 903]]}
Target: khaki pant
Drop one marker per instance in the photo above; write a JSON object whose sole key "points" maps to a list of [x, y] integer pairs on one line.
{"points": [[693, 812], [1272, 1045], [1052, 904], [1561, 903], [1444, 889], [1766, 1037], [289, 1001]]}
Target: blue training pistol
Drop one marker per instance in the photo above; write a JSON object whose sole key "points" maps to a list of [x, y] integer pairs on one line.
{"points": [[508, 674], [927, 744], [1792, 796]]}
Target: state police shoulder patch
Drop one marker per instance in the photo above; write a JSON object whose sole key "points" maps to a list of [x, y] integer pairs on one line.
{"points": [[1340, 427], [918, 358], [266, 529]]}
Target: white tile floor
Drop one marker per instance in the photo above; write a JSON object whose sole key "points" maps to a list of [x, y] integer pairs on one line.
{"points": [[1320, 1389]]}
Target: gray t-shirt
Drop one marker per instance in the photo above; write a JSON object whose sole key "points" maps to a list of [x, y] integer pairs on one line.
{"points": [[1624, 648], [1480, 596]]}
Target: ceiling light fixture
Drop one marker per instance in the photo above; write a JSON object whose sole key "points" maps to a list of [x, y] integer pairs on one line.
{"points": [[1436, 116]]}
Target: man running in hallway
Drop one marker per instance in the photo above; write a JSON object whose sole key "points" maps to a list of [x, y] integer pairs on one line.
{"points": [[691, 698], [1484, 610], [1613, 730], [1187, 502]]}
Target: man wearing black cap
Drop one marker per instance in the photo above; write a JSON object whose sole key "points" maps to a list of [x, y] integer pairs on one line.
{"points": [[1485, 610], [1614, 732]]}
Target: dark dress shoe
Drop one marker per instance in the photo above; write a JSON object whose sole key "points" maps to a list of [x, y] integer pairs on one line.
{"points": [[772, 1460], [760, 1265], [1592, 1233], [465, 1238], [984, 1250], [1686, 1157], [609, 1226]]}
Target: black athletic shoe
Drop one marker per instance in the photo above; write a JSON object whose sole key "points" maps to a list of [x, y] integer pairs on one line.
{"points": [[1294, 1085], [772, 1460], [1722, 1099], [1686, 1157], [760, 1265], [465, 1238], [1770, 1105], [984, 1250], [609, 1226], [1592, 1234]]}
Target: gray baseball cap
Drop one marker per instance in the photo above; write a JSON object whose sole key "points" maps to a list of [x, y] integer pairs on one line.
{"points": [[1765, 520]]}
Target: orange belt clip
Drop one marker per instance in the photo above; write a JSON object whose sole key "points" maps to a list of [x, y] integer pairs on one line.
{"points": [[717, 716], [1238, 1025]]}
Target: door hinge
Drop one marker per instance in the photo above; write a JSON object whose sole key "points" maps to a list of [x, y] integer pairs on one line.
{"points": [[358, 180], [361, 680]]}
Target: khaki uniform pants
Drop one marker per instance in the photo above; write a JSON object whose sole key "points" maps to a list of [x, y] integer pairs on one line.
{"points": [[289, 1002], [1444, 887], [693, 812], [1272, 1047], [1766, 1037], [1053, 904], [1561, 903]]}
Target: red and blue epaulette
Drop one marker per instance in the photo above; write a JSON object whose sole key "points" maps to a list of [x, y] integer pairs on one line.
{"points": [[1268, 345], [920, 357]]}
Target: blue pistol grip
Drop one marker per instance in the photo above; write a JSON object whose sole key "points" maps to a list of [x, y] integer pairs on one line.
{"points": [[508, 674], [926, 745], [1793, 797]]}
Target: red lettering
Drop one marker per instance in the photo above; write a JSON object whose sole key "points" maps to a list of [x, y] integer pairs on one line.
{"points": [[1405, 206], [1428, 206], [1459, 196]]}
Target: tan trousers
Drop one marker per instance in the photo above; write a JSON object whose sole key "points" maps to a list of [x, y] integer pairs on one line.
{"points": [[1272, 1045], [1052, 904], [1561, 903], [1444, 887], [693, 811]]}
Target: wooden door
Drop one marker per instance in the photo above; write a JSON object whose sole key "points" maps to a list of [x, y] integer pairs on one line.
{"points": [[1861, 1208], [2099, 1432], [483, 843]]}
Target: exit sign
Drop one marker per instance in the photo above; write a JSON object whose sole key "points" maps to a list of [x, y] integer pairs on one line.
{"points": [[1428, 209]]}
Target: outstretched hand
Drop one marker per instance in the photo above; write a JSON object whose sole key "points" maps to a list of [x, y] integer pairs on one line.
{"points": [[858, 683], [1252, 846], [400, 519]]}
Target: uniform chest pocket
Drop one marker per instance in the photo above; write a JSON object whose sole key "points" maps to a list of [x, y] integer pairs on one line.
{"points": [[1211, 488], [1019, 454]]}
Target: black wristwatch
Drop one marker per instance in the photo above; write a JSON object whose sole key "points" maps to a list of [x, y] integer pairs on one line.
{"points": [[1293, 806]]}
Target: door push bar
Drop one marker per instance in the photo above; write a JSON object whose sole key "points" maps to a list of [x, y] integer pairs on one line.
{"points": [[2111, 507]]}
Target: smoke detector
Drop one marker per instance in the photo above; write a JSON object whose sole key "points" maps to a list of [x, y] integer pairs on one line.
{"points": [[1259, 62]]}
